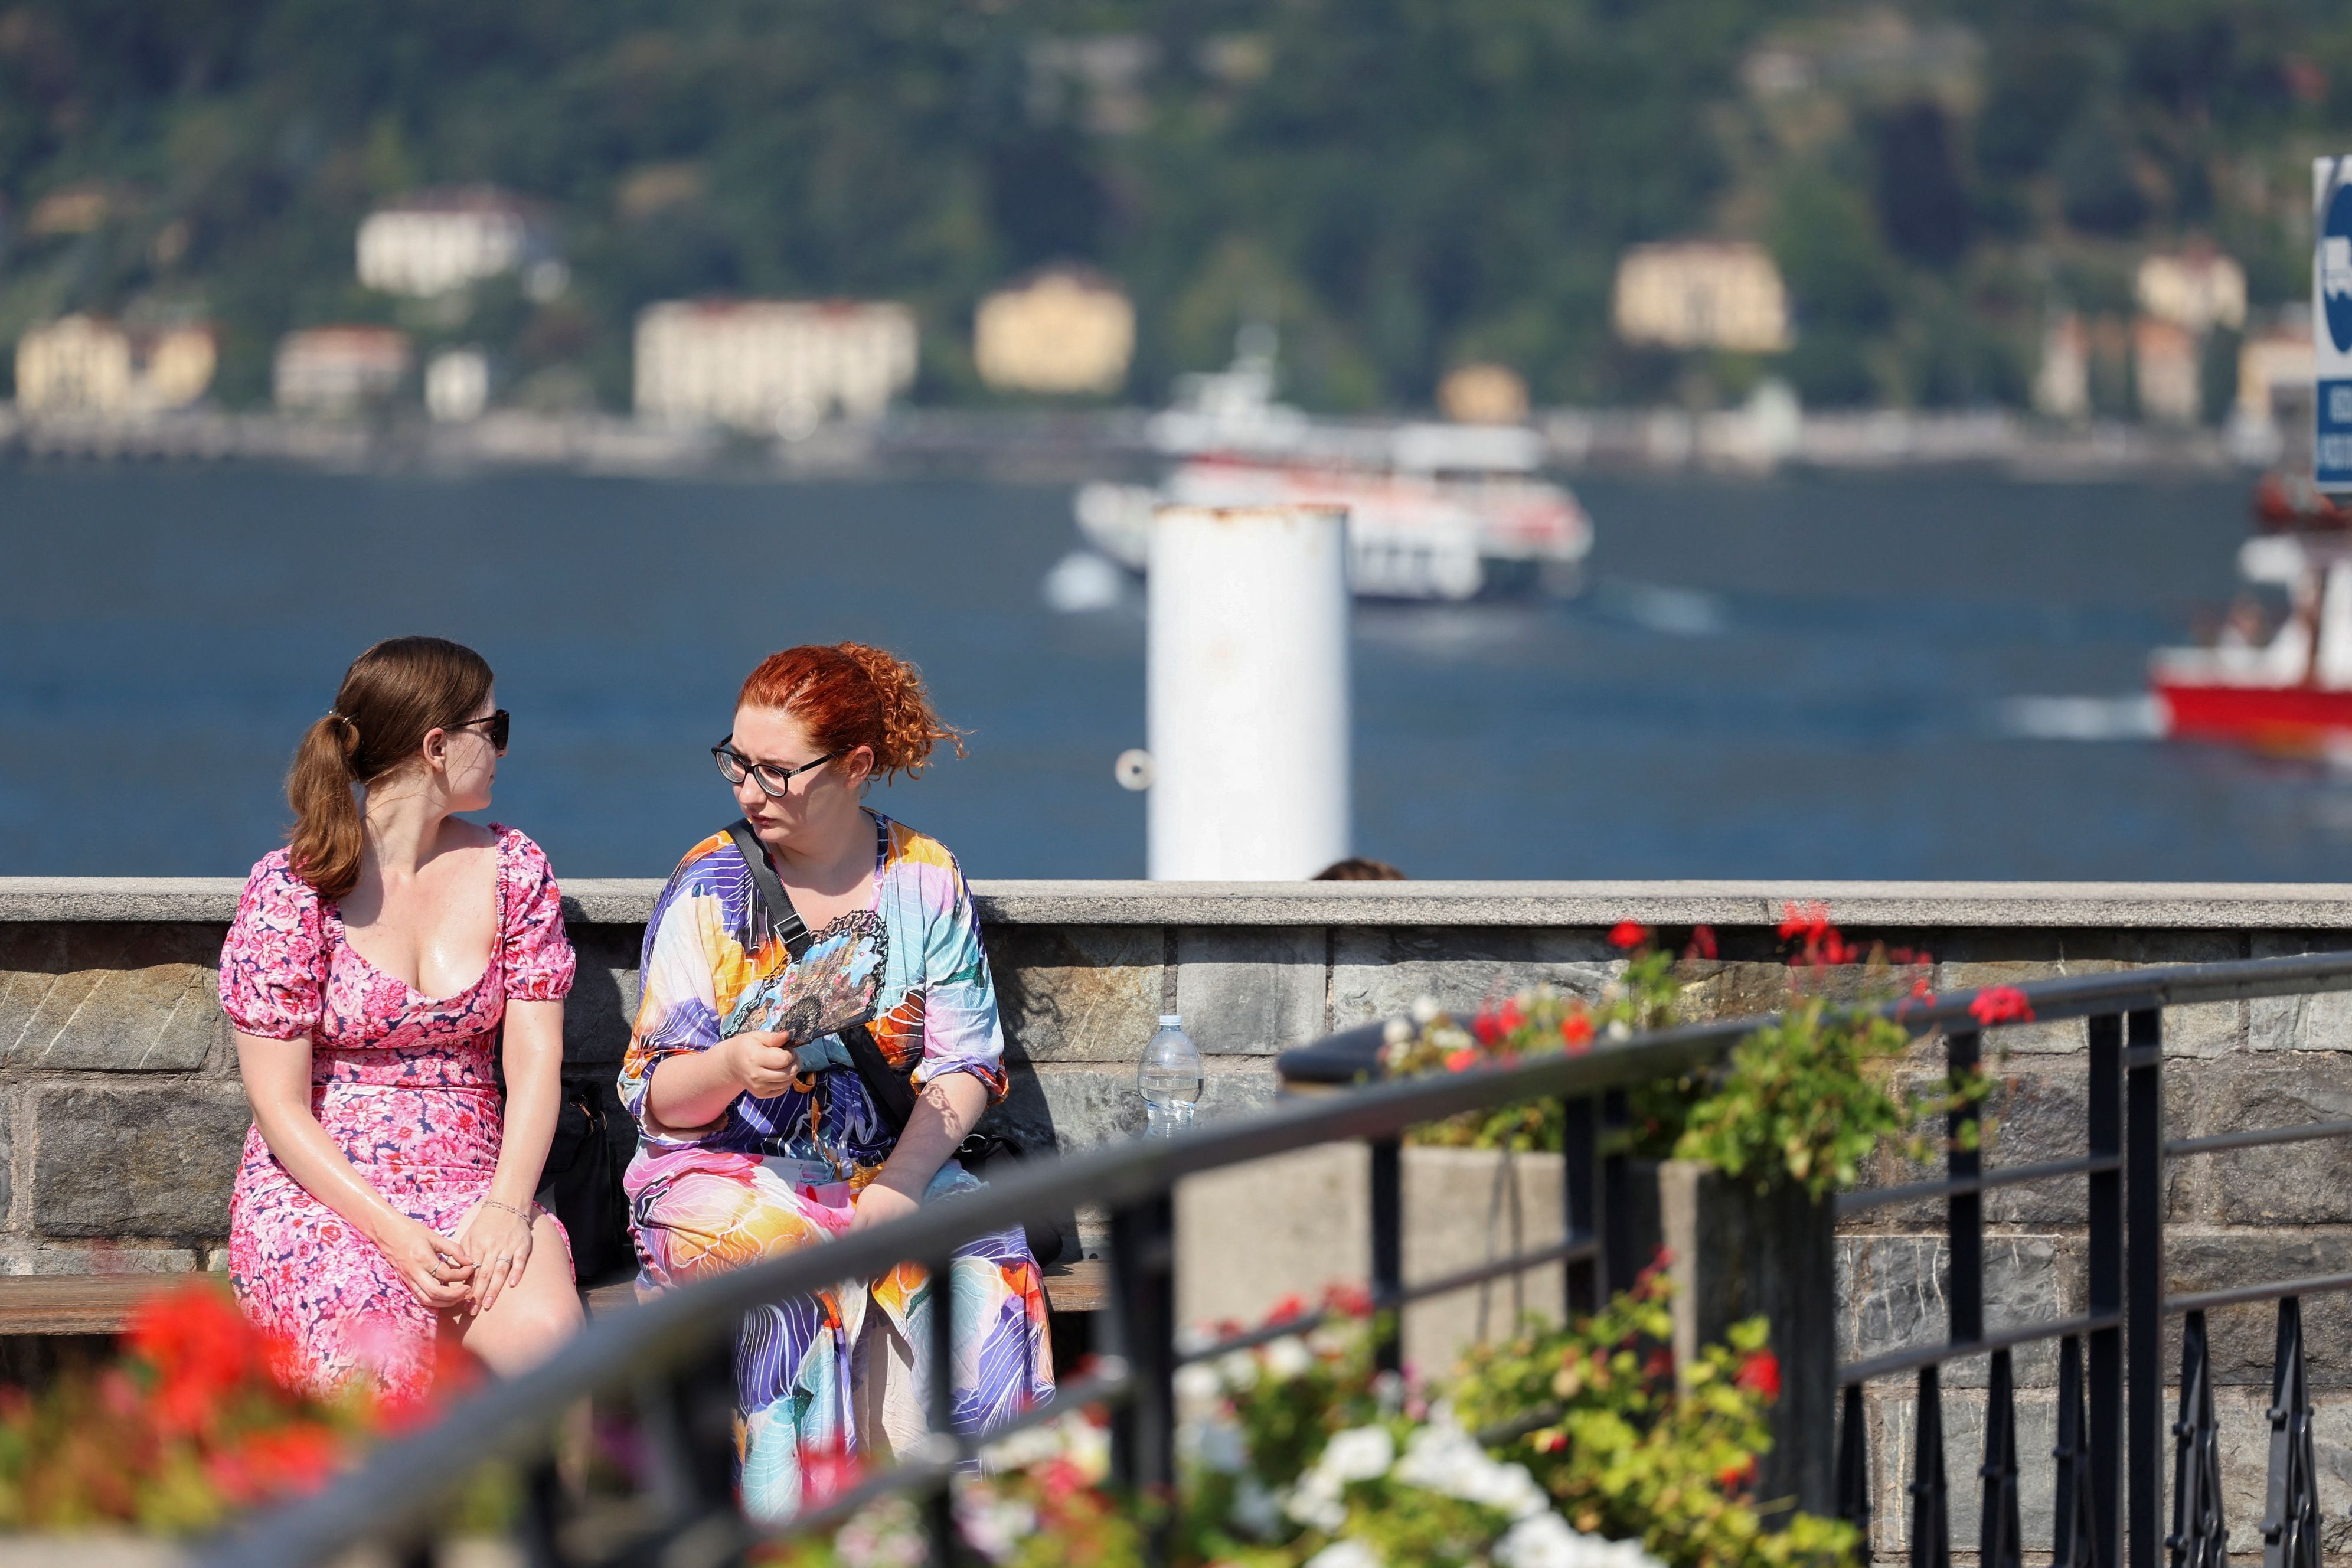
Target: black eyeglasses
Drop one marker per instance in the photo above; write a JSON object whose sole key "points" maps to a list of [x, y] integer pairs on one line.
{"points": [[500, 723], [772, 780]]}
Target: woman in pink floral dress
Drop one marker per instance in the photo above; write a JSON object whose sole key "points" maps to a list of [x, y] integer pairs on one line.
{"points": [[376, 961]]}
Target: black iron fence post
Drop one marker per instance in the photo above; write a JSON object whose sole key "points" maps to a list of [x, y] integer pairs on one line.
{"points": [[1581, 1167], [1143, 1319], [2101, 1507], [1964, 1211], [1388, 1253], [2143, 1304]]}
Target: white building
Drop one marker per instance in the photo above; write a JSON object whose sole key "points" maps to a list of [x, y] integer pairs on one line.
{"points": [[2062, 385], [2166, 373], [1702, 295], [1065, 330], [434, 241], [90, 365], [338, 370], [456, 386], [2195, 292], [771, 365]]}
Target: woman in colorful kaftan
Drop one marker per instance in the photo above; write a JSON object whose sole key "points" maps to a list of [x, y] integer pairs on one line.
{"points": [[750, 1148], [384, 1200]]}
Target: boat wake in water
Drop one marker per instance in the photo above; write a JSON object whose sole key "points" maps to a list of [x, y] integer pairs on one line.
{"points": [[2137, 718]]}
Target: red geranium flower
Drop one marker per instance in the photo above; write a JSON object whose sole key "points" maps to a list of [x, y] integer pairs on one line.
{"points": [[2001, 1005], [1488, 1028], [1629, 934], [1738, 1477], [1576, 1031], [297, 1457], [201, 1348], [1702, 943], [1759, 1374], [1808, 921], [1289, 1306], [1456, 1060], [1349, 1300]]}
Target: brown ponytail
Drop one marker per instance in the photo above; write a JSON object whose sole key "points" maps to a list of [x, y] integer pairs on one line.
{"points": [[850, 695], [392, 696]]}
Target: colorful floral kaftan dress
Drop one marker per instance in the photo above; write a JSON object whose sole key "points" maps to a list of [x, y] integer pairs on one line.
{"points": [[405, 1085], [776, 1174]]}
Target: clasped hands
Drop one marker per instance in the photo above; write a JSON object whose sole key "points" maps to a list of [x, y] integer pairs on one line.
{"points": [[473, 1267]]}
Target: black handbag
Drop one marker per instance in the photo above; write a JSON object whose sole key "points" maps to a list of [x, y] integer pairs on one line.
{"points": [[580, 1185], [892, 1094]]}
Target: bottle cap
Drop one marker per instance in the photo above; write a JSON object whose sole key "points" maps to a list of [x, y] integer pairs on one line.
{"points": [[1172, 1020]]}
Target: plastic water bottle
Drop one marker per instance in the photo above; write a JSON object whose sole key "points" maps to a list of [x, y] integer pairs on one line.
{"points": [[1169, 1078]]}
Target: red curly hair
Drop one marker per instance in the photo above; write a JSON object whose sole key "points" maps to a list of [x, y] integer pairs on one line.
{"points": [[850, 695]]}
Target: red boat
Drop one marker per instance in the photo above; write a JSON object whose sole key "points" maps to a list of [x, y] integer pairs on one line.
{"points": [[2284, 691], [2290, 503]]}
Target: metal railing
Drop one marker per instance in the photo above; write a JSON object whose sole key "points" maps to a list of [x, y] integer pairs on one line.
{"points": [[670, 1360]]}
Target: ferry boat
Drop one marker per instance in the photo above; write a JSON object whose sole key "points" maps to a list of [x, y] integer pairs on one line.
{"points": [[2290, 691], [1445, 513]]}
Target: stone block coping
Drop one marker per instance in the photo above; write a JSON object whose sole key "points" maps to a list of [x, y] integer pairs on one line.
{"points": [[2272, 906]]}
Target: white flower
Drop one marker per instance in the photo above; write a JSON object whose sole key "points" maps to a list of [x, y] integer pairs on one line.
{"points": [[1347, 1553], [1619, 1029], [994, 1525], [1257, 1510], [1072, 1437], [1239, 1369], [1289, 1357], [1314, 1502], [1358, 1454], [883, 1534], [1198, 1385], [1398, 1032], [1442, 1457], [1545, 1540], [1032, 1446], [1424, 1010]]}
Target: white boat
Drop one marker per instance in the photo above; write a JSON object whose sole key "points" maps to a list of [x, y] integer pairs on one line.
{"points": [[1436, 511]]}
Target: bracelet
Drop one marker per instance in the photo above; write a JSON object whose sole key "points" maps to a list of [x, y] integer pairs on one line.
{"points": [[494, 1203]]}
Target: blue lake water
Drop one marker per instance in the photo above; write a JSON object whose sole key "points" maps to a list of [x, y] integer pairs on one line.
{"points": [[1797, 678]]}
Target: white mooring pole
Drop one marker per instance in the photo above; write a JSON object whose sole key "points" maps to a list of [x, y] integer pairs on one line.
{"points": [[1247, 692]]}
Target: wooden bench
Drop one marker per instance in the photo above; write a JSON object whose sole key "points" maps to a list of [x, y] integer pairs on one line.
{"points": [[101, 1303]]}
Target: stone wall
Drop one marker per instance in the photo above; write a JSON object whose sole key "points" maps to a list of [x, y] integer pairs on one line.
{"points": [[120, 1113]]}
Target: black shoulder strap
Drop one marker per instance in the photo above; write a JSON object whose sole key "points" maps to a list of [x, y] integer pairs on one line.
{"points": [[891, 1094]]}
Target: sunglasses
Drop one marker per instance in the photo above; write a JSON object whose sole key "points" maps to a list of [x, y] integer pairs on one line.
{"points": [[499, 725]]}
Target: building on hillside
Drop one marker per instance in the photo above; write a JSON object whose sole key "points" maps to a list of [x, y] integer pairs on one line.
{"points": [[2062, 384], [2196, 292], [1483, 395], [1702, 294], [456, 386], [1064, 330], [435, 241], [87, 365], [2166, 371], [776, 366], [338, 370], [77, 209]]}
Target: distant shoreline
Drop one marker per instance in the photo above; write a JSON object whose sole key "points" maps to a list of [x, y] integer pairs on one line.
{"points": [[1069, 446]]}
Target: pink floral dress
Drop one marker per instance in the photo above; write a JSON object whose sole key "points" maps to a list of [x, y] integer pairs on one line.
{"points": [[402, 1083]]}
